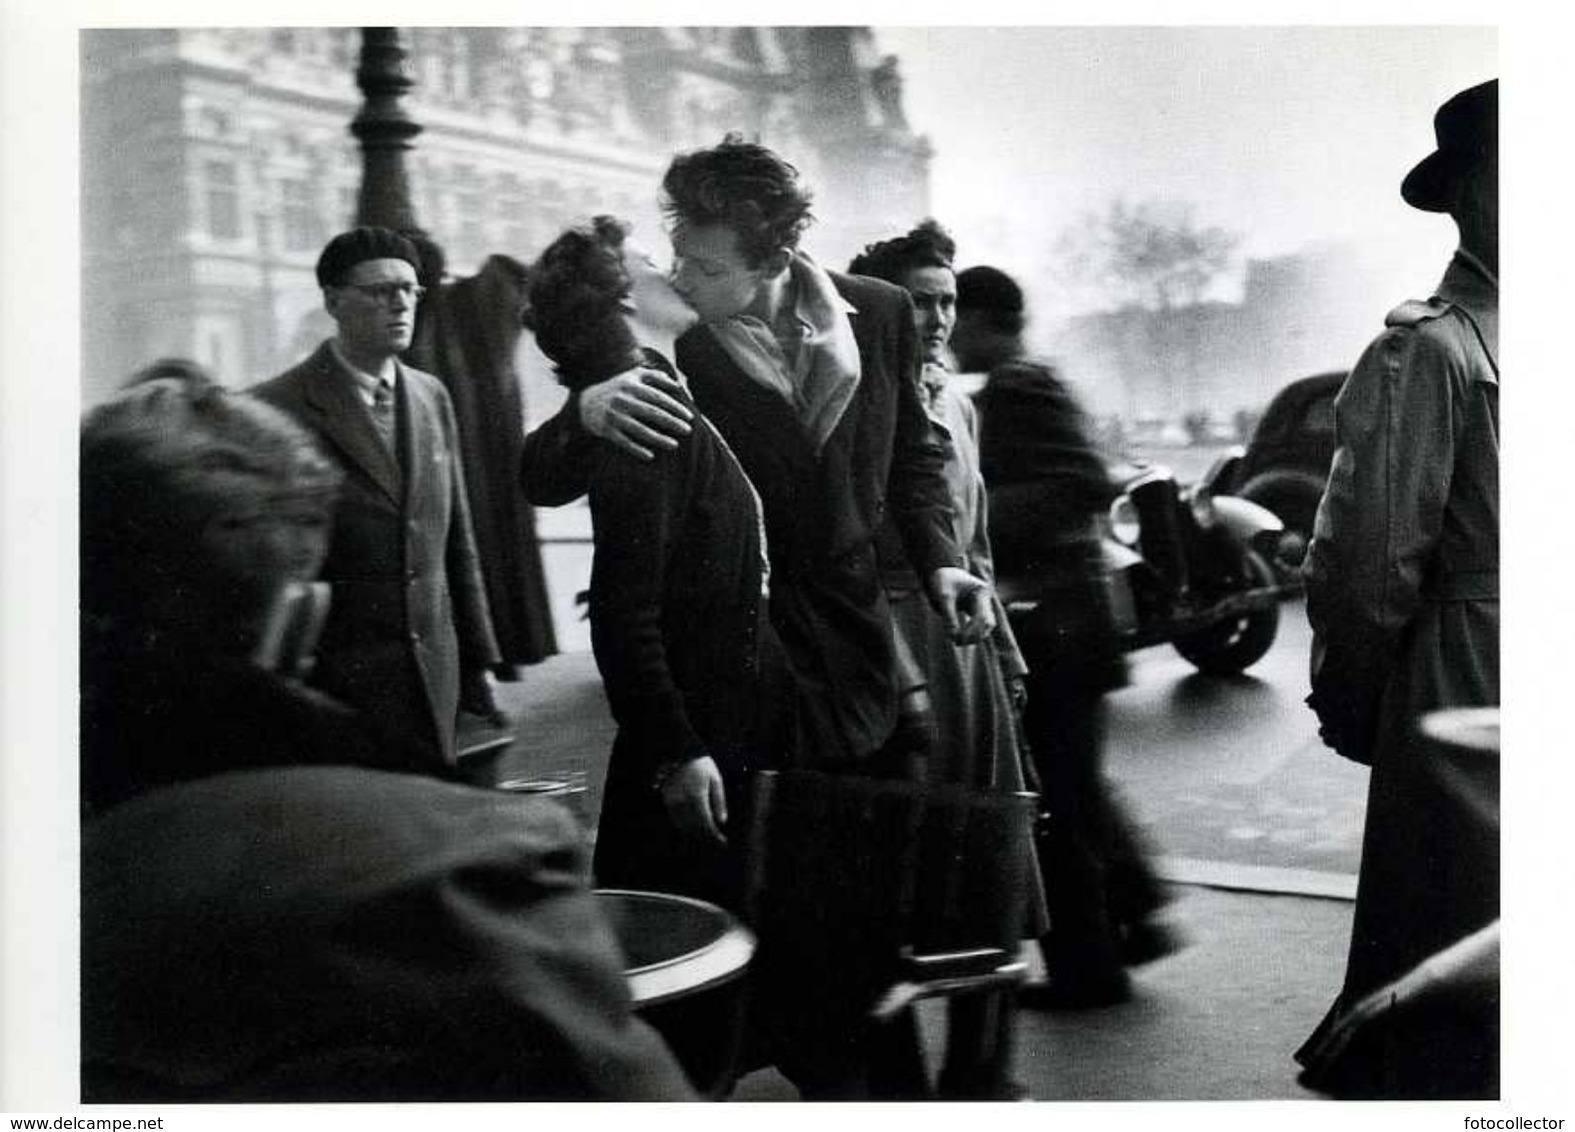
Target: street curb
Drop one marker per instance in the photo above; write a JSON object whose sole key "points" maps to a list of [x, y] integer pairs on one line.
{"points": [[1256, 878]]}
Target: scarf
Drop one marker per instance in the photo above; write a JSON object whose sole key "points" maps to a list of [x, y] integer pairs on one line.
{"points": [[820, 381], [932, 383]]}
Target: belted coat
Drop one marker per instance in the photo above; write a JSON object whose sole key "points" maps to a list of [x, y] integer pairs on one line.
{"points": [[1402, 593], [409, 606]]}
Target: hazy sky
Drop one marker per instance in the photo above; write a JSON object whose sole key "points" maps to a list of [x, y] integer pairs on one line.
{"points": [[1287, 135]]}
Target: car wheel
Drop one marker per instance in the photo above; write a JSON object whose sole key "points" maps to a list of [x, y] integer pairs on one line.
{"points": [[1232, 646]]}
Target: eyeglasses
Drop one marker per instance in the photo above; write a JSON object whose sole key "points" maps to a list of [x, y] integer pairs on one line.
{"points": [[384, 294]]}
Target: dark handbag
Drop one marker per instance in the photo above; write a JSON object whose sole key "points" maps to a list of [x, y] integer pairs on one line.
{"points": [[867, 893]]}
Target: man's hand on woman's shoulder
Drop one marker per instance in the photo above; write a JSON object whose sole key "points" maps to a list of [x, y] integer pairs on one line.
{"points": [[638, 410]]}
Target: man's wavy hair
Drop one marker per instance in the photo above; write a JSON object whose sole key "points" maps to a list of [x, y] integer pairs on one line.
{"points": [[578, 289], [744, 186], [928, 245]]}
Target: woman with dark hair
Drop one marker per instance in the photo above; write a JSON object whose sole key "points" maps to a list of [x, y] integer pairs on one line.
{"points": [[678, 609], [970, 688]]}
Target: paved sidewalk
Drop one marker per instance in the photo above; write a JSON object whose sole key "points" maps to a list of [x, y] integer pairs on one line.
{"points": [[1216, 1021]]}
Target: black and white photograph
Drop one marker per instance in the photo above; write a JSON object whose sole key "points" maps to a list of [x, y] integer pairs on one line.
{"points": [[552, 557]]}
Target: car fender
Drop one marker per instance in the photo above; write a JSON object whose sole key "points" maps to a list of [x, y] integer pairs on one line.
{"points": [[1245, 520], [1118, 557]]}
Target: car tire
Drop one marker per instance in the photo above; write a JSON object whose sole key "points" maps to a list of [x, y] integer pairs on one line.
{"points": [[1231, 647]]}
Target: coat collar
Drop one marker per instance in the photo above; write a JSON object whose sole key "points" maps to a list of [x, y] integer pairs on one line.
{"points": [[330, 390], [1473, 290]]}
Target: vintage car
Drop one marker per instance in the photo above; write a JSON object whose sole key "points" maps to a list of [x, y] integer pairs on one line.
{"points": [[1286, 462]]}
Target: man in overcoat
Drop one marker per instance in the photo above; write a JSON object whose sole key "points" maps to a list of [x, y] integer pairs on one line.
{"points": [[408, 628], [1402, 572]]}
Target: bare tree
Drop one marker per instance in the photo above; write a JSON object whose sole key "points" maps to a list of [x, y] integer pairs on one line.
{"points": [[1154, 261], [1151, 254]]}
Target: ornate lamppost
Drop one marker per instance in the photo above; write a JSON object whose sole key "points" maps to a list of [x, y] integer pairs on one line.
{"points": [[384, 130]]}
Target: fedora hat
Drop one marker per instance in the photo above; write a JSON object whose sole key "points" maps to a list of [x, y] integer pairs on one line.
{"points": [[1467, 131]]}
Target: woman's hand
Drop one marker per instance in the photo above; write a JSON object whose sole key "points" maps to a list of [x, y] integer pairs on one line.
{"points": [[963, 601], [695, 800]]}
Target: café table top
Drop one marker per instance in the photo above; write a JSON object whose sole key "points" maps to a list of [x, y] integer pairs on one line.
{"points": [[674, 946]]}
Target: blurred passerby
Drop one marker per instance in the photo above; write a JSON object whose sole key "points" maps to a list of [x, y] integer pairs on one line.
{"points": [[1046, 485], [971, 689], [408, 636], [1402, 573]]}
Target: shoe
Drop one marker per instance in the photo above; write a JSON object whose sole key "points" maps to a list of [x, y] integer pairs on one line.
{"points": [[1144, 941], [1077, 992]]}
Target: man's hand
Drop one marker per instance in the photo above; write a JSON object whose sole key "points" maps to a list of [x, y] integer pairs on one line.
{"points": [[637, 410], [695, 801], [963, 601]]}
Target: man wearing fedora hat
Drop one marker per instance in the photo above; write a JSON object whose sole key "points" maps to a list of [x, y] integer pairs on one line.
{"points": [[1402, 593]]}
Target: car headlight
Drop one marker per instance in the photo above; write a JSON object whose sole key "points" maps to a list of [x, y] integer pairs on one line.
{"points": [[1201, 504], [1124, 525]]}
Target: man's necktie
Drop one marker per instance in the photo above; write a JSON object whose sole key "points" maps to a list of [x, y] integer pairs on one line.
{"points": [[383, 416]]}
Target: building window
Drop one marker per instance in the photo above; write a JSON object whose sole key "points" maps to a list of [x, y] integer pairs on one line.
{"points": [[224, 200], [298, 215]]}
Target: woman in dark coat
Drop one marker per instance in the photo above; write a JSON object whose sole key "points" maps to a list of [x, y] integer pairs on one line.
{"points": [[678, 607]]}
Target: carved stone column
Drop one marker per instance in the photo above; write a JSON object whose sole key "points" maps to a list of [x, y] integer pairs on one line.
{"points": [[384, 130]]}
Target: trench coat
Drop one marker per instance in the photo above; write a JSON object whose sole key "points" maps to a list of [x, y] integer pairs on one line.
{"points": [[822, 511], [409, 607], [968, 684], [978, 737], [1402, 593]]}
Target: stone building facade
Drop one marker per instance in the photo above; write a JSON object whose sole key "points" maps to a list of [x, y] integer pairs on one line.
{"points": [[216, 162]]}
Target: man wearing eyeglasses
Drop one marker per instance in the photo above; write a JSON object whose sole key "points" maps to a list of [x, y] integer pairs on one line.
{"points": [[408, 636]]}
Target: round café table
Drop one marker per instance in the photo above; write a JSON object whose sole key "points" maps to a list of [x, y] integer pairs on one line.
{"points": [[685, 961]]}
